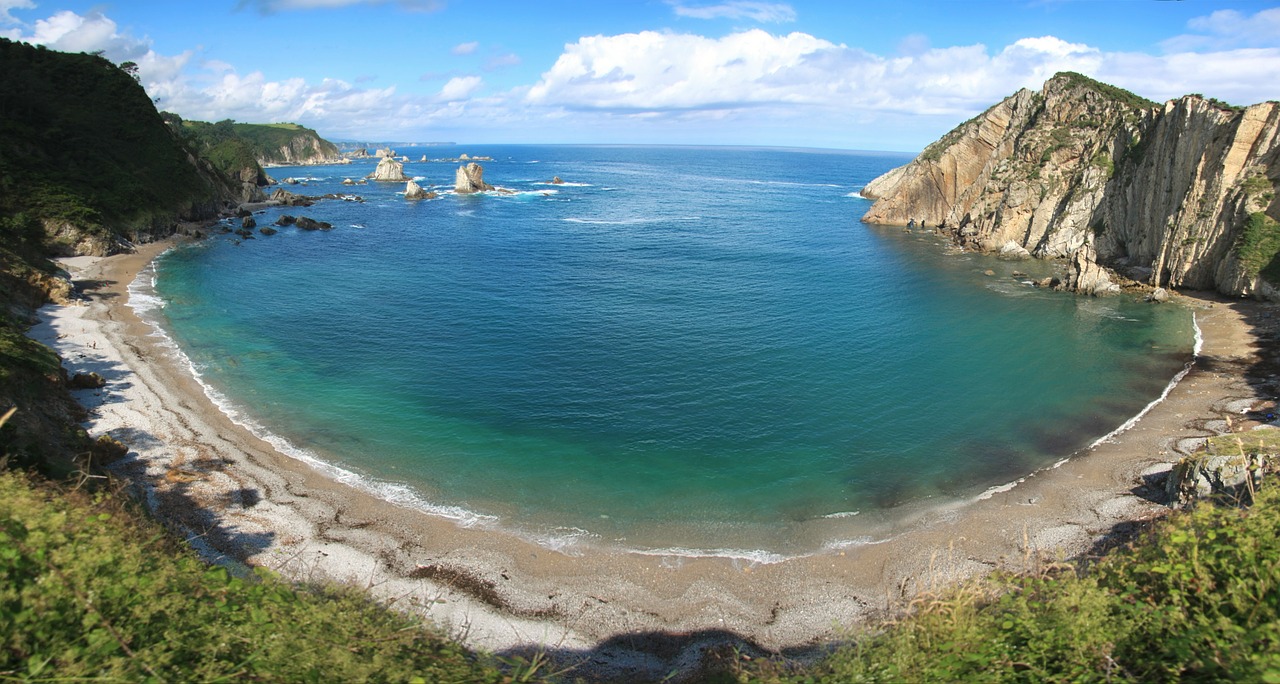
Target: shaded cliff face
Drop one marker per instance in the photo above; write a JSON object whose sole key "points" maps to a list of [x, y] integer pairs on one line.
{"points": [[85, 156], [1178, 195]]}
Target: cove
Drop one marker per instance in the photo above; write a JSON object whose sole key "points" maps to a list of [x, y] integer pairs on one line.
{"points": [[678, 350]]}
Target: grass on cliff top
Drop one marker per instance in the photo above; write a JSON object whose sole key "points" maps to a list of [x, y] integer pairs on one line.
{"points": [[1076, 80], [89, 589], [1196, 599]]}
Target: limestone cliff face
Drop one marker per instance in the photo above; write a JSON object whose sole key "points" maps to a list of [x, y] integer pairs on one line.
{"points": [[470, 178], [1177, 195], [302, 147], [389, 170]]}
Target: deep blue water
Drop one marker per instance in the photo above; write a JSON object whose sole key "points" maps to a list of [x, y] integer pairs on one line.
{"points": [[698, 348]]}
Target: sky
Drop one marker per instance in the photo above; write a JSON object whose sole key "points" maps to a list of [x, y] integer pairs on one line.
{"points": [[889, 75]]}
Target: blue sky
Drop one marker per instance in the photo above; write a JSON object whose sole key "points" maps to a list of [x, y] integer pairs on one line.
{"points": [[876, 76]]}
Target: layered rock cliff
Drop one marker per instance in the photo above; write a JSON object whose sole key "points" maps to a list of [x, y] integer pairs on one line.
{"points": [[1176, 195]]}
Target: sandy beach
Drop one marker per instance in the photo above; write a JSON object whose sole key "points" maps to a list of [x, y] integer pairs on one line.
{"points": [[628, 615]]}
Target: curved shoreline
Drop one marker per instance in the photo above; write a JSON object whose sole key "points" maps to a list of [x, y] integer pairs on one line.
{"points": [[238, 498]]}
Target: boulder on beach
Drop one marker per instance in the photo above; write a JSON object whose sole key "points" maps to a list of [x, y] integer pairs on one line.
{"points": [[86, 381], [389, 170], [470, 178]]}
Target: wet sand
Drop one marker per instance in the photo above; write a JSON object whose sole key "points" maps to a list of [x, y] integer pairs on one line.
{"points": [[612, 612]]}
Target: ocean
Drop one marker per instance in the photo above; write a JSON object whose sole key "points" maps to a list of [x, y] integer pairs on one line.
{"points": [[678, 350]]}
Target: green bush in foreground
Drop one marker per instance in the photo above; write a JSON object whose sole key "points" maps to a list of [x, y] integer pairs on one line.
{"points": [[1197, 600], [90, 590]]}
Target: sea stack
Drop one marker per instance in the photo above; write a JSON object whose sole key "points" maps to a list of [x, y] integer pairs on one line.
{"points": [[389, 170], [413, 191], [470, 178]]}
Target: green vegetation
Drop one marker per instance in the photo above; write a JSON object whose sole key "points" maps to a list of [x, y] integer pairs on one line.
{"points": [[1072, 79], [1103, 161], [80, 141], [91, 590], [233, 146], [1059, 138], [1259, 247], [1258, 186], [1197, 599]]}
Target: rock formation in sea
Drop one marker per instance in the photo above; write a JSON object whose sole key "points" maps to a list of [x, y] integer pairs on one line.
{"points": [[557, 181], [413, 191], [470, 178], [388, 170], [1174, 195]]}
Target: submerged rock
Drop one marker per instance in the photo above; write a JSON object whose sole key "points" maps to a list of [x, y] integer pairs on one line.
{"points": [[311, 224]]}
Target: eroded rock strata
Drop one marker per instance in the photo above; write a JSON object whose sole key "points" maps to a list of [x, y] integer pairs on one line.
{"points": [[1174, 195]]}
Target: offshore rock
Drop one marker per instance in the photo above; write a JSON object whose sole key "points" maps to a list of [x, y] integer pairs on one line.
{"points": [[413, 191], [1173, 188], [306, 223], [470, 178], [388, 170], [1085, 276]]}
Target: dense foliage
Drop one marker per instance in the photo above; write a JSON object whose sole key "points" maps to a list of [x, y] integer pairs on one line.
{"points": [[1259, 247], [234, 147], [1198, 599], [81, 142]]}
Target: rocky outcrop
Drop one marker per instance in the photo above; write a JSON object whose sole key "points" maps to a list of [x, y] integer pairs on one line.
{"points": [[470, 178], [384, 152], [413, 191], [290, 145], [1176, 195], [1233, 477], [388, 170]]}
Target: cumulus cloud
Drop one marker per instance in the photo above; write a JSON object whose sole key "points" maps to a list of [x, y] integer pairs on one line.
{"points": [[761, 12], [665, 72], [1226, 29], [7, 6], [460, 88]]}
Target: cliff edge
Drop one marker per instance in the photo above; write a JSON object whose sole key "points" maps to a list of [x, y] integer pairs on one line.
{"points": [[1174, 195]]}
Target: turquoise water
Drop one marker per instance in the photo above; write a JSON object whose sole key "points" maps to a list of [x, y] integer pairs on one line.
{"points": [[680, 348]]}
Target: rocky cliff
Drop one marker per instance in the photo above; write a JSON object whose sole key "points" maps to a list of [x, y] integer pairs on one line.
{"points": [[1175, 195], [290, 145]]}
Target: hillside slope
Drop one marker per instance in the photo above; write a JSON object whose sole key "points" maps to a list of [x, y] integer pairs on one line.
{"points": [[1175, 195], [84, 153]]}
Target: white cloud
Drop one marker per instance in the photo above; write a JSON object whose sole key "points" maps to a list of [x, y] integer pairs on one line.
{"points": [[465, 48], [460, 88], [762, 12], [7, 6], [1226, 29]]}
